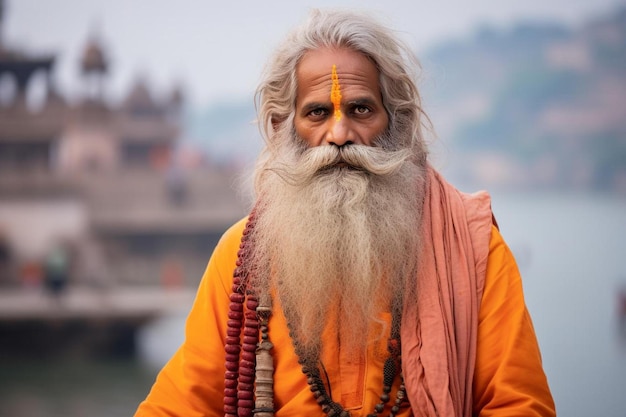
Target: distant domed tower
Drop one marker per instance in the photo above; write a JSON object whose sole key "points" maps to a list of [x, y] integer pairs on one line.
{"points": [[139, 100], [94, 68]]}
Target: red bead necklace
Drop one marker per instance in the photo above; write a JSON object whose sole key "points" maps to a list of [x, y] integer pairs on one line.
{"points": [[249, 361]]}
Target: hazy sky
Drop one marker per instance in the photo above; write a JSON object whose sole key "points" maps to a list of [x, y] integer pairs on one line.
{"points": [[217, 48]]}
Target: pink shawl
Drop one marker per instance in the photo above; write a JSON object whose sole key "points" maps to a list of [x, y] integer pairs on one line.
{"points": [[439, 328]]}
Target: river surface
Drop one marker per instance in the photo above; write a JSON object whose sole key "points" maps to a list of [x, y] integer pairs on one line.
{"points": [[571, 250]]}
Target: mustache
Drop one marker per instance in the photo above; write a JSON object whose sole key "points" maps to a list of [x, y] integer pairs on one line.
{"points": [[370, 159], [315, 161]]}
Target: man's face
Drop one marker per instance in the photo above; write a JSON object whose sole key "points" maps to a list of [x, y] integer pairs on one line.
{"points": [[354, 90]]}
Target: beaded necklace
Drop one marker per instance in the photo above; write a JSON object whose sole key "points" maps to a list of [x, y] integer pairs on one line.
{"points": [[248, 377], [391, 368]]}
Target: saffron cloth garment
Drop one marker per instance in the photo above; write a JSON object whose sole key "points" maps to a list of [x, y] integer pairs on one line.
{"points": [[502, 369], [508, 373]]}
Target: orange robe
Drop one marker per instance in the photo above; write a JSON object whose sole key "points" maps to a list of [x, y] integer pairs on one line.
{"points": [[508, 380]]}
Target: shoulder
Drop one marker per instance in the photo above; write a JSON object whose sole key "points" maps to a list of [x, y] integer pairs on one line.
{"points": [[501, 265], [229, 242], [234, 232], [481, 224], [224, 257]]}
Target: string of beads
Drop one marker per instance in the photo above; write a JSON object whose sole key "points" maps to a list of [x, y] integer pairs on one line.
{"points": [[248, 360], [391, 368], [240, 366]]}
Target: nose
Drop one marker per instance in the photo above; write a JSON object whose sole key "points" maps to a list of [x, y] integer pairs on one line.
{"points": [[339, 132]]}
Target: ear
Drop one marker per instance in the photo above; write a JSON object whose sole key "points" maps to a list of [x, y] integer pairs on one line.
{"points": [[277, 122]]}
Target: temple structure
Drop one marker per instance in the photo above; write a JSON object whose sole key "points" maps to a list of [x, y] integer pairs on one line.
{"points": [[93, 188]]}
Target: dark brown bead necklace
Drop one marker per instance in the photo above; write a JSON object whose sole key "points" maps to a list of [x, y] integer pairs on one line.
{"points": [[391, 368], [241, 355]]}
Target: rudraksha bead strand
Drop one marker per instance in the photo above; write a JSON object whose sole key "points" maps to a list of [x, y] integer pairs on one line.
{"points": [[394, 347], [390, 370], [389, 374], [232, 348], [232, 380], [400, 397], [247, 363], [311, 370], [252, 359]]}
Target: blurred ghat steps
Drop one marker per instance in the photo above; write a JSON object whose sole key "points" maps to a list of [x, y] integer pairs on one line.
{"points": [[83, 322], [136, 255], [138, 304]]}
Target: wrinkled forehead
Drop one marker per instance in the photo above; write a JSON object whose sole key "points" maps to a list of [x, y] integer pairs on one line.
{"points": [[354, 70]]}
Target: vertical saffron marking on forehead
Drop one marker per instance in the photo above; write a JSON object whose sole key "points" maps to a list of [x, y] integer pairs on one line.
{"points": [[335, 93]]}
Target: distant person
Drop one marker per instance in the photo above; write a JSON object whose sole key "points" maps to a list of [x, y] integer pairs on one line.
{"points": [[56, 270], [364, 284]]}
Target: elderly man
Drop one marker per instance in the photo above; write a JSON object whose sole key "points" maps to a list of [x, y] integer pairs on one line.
{"points": [[363, 283]]}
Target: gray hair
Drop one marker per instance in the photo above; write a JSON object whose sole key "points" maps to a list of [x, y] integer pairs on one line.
{"points": [[276, 95]]}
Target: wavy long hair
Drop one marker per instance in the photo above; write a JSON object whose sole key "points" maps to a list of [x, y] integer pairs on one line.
{"points": [[275, 97]]}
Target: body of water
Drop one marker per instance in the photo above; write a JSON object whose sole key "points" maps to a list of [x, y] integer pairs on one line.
{"points": [[571, 250], [572, 254]]}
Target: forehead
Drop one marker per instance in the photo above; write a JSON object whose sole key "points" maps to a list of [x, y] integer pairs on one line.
{"points": [[357, 74]]}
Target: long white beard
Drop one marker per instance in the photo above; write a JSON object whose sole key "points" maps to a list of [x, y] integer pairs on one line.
{"points": [[337, 236]]}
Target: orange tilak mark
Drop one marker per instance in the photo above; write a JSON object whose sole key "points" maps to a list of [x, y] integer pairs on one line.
{"points": [[335, 93]]}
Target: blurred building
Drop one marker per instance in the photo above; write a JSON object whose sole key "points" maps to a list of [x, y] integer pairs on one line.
{"points": [[94, 187]]}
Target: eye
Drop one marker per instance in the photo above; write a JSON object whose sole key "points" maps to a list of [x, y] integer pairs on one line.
{"points": [[361, 110], [318, 113]]}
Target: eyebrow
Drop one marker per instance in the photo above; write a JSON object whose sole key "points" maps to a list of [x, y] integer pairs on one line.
{"points": [[362, 101], [315, 105]]}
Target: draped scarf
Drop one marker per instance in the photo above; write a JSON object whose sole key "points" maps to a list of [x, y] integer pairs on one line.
{"points": [[439, 328]]}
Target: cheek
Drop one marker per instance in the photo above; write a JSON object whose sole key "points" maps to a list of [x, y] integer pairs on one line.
{"points": [[298, 127], [306, 133], [379, 127]]}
